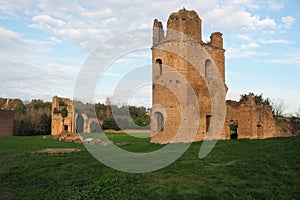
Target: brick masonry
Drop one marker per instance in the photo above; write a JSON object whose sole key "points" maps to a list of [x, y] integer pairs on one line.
{"points": [[177, 50], [7, 118]]}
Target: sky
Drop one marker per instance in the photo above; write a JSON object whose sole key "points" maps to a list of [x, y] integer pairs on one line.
{"points": [[44, 44]]}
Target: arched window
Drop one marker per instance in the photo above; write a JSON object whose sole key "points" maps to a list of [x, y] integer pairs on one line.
{"points": [[233, 129], [159, 63], [208, 119], [207, 68], [159, 121], [79, 124]]}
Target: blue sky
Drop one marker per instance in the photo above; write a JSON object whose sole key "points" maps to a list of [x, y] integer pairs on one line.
{"points": [[45, 43]]}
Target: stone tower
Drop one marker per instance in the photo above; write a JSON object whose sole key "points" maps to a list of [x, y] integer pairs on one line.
{"points": [[177, 51]]}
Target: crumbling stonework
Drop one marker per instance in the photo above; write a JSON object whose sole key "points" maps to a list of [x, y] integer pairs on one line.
{"points": [[176, 51], [66, 128], [255, 121], [7, 118], [60, 123]]}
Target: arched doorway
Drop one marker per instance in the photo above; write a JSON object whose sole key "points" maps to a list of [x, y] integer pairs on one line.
{"points": [[79, 124], [159, 121], [233, 130], [259, 130]]}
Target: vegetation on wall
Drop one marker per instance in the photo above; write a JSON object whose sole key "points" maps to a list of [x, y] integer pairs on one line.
{"points": [[277, 105]]}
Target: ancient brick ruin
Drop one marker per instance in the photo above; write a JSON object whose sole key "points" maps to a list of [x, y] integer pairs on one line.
{"points": [[177, 50], [66, 123], [7, 118]]}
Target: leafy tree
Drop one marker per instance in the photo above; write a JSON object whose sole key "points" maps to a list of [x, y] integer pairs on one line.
{"points": [[64, 112], [32, 118], [109, 123], [61, 102]]}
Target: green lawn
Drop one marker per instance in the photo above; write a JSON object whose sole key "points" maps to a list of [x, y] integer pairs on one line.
{"points": [[241, 169]]}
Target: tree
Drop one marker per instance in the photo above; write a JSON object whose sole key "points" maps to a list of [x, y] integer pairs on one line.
{"points": [[64, 114], [32, 118], [278, 107], [298, 113], [109, 123]]}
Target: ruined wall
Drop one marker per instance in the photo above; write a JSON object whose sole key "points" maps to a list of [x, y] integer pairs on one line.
{"points": [[257, 121], [59, 123], [6, 122], [73, 123], [287, 126], [254, 121]]}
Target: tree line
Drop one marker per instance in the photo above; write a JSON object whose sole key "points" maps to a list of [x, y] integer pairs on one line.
{"points": [[115, 117], [34, 117]]}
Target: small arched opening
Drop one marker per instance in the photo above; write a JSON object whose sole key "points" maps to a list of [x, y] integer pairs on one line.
{"points": [[159, 121], [208, 119], [233, 129], [79, 124], [207, 72], [158, 62]]}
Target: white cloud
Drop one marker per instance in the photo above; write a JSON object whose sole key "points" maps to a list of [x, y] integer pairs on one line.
{"points": [[236, 17], [245, 37], [46, 22], [250, 45], [23, 75], [275, 41], [265, 23], [275, 5], [291, 59], [287, 21], [13, 46], [238, 52], [244, 3], [54, 39], [17, 8]]}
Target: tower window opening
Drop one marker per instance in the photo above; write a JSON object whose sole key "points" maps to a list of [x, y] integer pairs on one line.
{"points": [[207, 72], [159, 63]]}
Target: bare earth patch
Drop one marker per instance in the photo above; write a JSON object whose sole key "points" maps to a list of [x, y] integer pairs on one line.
{"points": [[57, 150], [124, 143], [161, 181]]}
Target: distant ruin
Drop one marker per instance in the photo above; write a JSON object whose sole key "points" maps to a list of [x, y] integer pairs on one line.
{"points": [[7, 115], [65, 121], [7, 118], [245, 118]]}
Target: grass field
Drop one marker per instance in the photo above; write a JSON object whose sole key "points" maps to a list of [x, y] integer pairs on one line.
{"points": [[242, 169]]}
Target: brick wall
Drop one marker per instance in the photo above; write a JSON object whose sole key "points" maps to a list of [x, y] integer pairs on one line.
{"points": [[6, 122]]}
